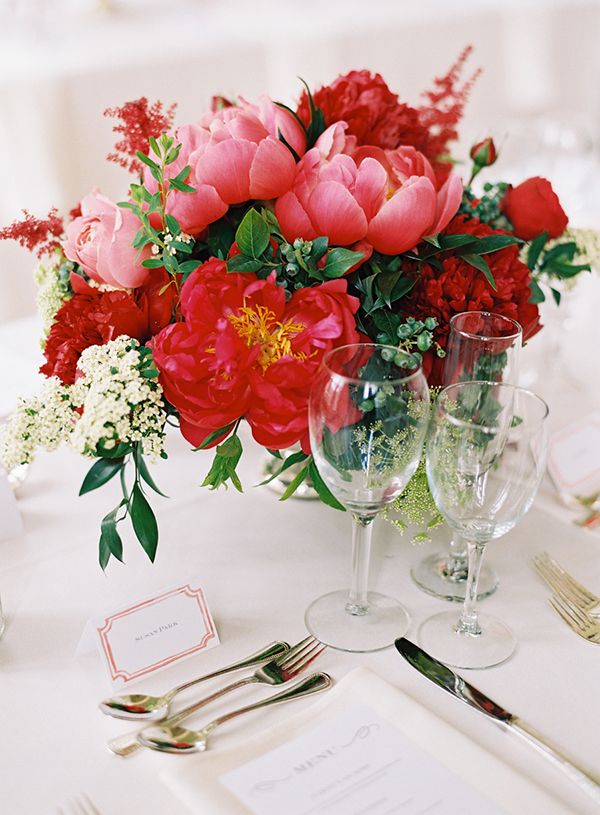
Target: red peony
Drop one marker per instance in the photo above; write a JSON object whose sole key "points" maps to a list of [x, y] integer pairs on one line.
{"points": [[533, 207], [91, 319], [460, 287], [376, 117], [243, 351]]}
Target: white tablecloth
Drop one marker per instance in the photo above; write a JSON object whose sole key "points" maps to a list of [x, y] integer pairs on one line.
{"points": [[261, 562]]}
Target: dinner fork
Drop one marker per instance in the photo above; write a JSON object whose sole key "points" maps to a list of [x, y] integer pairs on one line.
{"points": [[580, 622], [80, 805], [565, 586], [281, 669]]}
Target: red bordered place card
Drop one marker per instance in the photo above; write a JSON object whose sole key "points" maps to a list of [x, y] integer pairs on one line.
{"points": [[155, 633], [574, 456]]}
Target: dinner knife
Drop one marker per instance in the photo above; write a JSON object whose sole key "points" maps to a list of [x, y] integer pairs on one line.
{"points": [[445, 678]]}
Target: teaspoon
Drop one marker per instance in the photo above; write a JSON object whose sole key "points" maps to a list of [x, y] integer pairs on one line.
{"points": [[176, 739], [145, 706]]}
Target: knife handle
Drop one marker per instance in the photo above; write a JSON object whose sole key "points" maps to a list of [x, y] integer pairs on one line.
{"points": [[586, 779]]}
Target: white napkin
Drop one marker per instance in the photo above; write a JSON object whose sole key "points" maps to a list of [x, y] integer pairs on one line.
{"points": [[196, 782]]}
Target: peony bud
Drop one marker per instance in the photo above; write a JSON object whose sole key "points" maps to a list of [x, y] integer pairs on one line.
{"points": [[484, 153]]}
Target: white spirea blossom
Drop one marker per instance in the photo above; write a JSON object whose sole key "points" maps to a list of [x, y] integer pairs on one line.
{"points": [[44, 421], [119, 403], [112, 402], [53, 289]]}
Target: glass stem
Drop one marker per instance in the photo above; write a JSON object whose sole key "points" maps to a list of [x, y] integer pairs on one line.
{"points": [[455, 566], [362, 528], [468, 622]]}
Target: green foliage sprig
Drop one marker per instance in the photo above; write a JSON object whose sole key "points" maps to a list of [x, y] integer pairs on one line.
{"points": [[552, 263]]}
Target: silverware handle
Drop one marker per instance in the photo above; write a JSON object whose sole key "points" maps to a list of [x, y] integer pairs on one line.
{"points": [[586, 779], [315, 683], [265, 654], [127, 744]]}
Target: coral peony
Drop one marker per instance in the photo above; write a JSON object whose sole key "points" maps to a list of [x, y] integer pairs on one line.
{"points": [[388, 197], [243, 351], [100, 239]]}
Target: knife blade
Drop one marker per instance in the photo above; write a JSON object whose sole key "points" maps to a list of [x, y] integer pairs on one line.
{"points": [[445, 678]]}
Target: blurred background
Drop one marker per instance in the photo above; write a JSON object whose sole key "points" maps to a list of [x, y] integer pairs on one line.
{"points": [[62, 62]]}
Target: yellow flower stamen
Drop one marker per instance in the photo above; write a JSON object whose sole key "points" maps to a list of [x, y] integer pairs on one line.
{"points": [[258, 326]]}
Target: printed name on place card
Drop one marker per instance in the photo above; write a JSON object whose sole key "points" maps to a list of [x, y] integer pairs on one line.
{"points": [[155, 633]]}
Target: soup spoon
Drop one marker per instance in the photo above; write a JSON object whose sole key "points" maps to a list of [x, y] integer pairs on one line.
{"points": [[176, 739], [145, 706]]}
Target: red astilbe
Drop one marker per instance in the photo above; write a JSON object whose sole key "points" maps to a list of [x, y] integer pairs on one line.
{"points": [[444, 108], [139, 121], [36, 234]]}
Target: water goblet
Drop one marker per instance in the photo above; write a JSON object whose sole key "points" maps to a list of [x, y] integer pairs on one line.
{"points": [[481, 346], [368, 417], [486, 456]]}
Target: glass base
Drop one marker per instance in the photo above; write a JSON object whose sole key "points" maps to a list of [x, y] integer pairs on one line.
{"points": [[434, 576], [439, 637], [327, 620]]}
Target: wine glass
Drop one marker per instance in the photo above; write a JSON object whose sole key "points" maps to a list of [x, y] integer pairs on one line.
{"points": [[486, 456], [481, 346], [368, 417]]}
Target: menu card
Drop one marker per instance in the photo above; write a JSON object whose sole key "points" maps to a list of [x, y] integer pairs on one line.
{"points": [[355, 764]]}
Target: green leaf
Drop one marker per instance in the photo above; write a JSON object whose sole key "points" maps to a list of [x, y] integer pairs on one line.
{"points": [[216, 434], [481, 265], [319, 247], [118, 451], [99, 473], [242, 263], [153, 263], [180, 186], [284, 141], [454, 241], [537, 295], [567, 270], [147, 161], [172, 224], [322, 489], [292, 459], [223, 467], [252, 235], [434, 240], [189, 266], [491, 243], [557, 295], [144, 472], [109, 534], [144, 522], [293, 486], [339, 261], [535, 249]]}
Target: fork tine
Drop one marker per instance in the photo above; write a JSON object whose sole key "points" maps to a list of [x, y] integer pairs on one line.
{"points": [[560, 588], [284, 658], [304, 659], [553, 566], [572, 625], [574, 613]]}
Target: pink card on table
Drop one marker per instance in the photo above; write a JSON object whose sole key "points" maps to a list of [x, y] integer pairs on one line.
{"points": [[574, 456], [155, 633]]}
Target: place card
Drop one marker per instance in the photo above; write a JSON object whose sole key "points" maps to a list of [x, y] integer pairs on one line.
{"points": [[155, 633], [12, 523], [350, 765], [574, 456]]}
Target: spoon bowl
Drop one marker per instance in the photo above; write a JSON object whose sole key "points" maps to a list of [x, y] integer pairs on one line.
{"points": [[174, 739], [137, 705]]}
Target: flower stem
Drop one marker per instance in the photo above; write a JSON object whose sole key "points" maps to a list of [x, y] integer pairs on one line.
{"points": [[362, 528]]}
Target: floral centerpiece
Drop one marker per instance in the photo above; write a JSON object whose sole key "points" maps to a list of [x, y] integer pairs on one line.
{"points": [[251, 243]]}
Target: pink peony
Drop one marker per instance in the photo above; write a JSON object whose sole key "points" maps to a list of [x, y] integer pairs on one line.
{"points": [[100, 239], [388, 197]]}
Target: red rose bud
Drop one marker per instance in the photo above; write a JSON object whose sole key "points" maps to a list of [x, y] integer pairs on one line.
{"points": [[484, 153], [533, 207]]}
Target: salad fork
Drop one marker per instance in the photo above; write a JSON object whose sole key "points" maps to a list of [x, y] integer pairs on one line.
{"points": [[281, 669], [565, 586], [580, 622], [80, 805]]}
